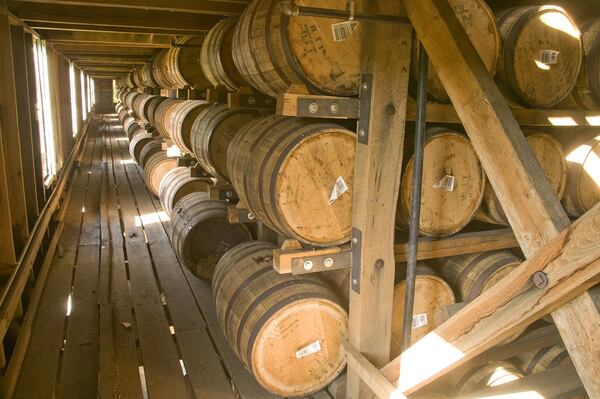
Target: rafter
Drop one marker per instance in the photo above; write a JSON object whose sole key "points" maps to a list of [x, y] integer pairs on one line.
{"points": [[69, 27], [107, 38]]}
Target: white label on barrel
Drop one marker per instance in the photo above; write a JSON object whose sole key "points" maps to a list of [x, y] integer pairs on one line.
{"points": [[446, 183], [309, 349], [342, 30], [419, 320], [549, 57], [339, 188]]}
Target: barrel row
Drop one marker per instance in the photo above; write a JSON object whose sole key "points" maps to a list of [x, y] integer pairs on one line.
{"points": [[261, 49]]}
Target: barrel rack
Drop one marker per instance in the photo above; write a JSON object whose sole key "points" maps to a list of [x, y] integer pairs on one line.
{"points": [[539, 226]]}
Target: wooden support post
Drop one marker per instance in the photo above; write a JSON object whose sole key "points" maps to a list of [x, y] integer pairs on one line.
{"points": [[534, 212], [10, 130], [25, 121], [384, 91]]}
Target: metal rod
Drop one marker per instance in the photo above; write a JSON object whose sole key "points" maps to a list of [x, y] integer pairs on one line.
{"points": [[415, 205], [290, 8]]}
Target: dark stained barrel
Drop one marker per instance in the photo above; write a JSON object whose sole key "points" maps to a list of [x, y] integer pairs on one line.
{"points": [[181, 64], [201, 233], [272, 320], [212, 132], [151, 107], [138, 140], [180, 121]]}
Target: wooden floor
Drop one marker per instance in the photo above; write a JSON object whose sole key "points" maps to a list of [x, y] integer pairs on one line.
{"points": [[119, 316]]}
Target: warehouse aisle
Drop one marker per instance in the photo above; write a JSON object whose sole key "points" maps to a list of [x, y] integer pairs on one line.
{"points": [[119, 316]]}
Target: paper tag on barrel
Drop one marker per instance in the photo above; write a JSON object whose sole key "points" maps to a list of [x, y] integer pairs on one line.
{"points": [[309, 349], [342, 30], [339, 188], [549, 57], [419, 320], [446, 183]]}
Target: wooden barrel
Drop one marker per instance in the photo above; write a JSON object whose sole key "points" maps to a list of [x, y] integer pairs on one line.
{"points": [[127, 81], [157, 166], [541, 54], [216, 56], [138, 77], [181, 119], [148, 77], [201, 233], [583, 181], [175, 185], [479, 22], [488, 375], [149, 149], [453, 184], [139, 139], [549, 154], [119, 108], [587, 89], [128, 99], [544, 359], [182, 63], [432, 295], [123, 114], [139, 104], [129, 125], [157, 71], [273, 51], [162, 116], [212, 132], [295, 175], [151, 107], [272, 320]]}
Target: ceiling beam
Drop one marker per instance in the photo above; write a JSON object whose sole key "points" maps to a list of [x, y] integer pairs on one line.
{"points": [[107, 38], [72, 48], [92, 62], [208, 7], [43, 26], [113, 17]]}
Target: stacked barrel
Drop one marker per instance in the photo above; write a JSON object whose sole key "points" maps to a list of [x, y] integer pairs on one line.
{"points": [[295, 175]]}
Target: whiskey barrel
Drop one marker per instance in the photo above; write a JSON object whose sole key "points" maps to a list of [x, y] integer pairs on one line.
{"points": [[272, 320], [181, 119], [158, 73], [587, 90], [182, 64], [152, 106], [157, 166], [583, 180], [212, 132], [216, 56], [544, 359], [162, 116], [453, 184], [479, 23], [138, 78], [149, 149], [139, 139], [549, 154], [541, 54], [123, 114], [128, 99], [129, 126], [295, 175], [148, 77], [201, 233], [488, 375], [432, 295], [175, 185], [273, 51], [139, 103]]}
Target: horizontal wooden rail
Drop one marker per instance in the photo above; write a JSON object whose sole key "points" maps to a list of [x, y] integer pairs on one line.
{"points": [[11, 295]]}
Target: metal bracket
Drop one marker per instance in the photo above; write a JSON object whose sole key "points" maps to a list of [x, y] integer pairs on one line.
{"points": [[198, 171], [364, 115], [239, 215], [321, 263], [250, 101], [185, 160], [328, 107], [356, 246], [223, 193]]}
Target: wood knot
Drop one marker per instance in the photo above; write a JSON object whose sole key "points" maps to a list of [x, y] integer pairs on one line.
{"points": [[390, 109]]}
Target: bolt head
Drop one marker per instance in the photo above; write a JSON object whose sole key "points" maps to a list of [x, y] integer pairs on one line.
{"points": [[308, 265], [250, 216], [252, 100], [328, 262], [228, 194], [379, 263], [313, 107], [355, 240], [334, 108], [540, 279], [365, 86], [361, 132]]}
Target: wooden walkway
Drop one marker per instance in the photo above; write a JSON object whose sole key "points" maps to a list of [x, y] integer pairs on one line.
{"points": [[119, 316]]}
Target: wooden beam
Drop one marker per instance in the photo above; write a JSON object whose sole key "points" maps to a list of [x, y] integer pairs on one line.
{"points": [[25, 121], [571, 263], [534, 212], [10, 131], [102, 50], [210, 7], [382, 387], [376, 180], [70, 27], [91, 62], [465, 243], [113, 17], [8, 256], [139, 40]]}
